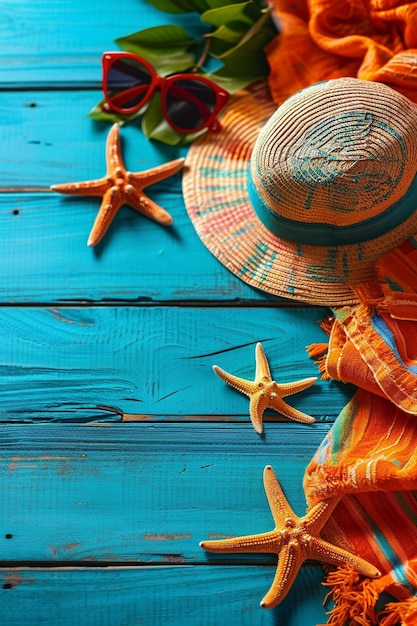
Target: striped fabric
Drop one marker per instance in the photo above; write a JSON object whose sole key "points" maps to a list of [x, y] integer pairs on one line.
{"points": [[369, 456], [374, 344], [369, 459]]}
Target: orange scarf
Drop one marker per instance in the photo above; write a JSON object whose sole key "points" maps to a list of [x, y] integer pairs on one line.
{"points": [[374, 344], [369, 457], [322, 39]]}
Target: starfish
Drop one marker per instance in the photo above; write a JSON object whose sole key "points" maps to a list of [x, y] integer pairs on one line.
{"points": [[119, 187], [265, 393], [294, 540]]}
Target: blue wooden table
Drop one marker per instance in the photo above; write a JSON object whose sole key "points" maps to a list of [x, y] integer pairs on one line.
{"points": [[120, 448]]}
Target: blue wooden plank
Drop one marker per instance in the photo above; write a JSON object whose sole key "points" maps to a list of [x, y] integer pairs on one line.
{"points": [[53, 43], [157, 596], [127, 493], [153, 362], [45, 139], [143, 493], [46, 259]]}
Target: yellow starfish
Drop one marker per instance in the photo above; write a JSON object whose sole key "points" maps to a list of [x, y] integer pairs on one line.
{"points": [[294, 540], [120, 186], [265, 393]]}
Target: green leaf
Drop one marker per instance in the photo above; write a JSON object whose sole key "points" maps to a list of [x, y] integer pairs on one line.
{"points": [[168, 6], [180, 6], [247, 68], [99, 115], [244, 12], [253, 41], [225, 37], [167, 37], [158, 39], [229, 81], [215, 4], [246, 62], [260, 33], [167, 48]]}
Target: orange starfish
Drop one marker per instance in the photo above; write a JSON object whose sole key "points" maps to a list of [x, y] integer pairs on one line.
{"points": [[265, 393], [294, 540], [120, 187]]}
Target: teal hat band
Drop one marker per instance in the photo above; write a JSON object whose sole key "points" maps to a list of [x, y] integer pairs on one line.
{"points": [[311, 233]]}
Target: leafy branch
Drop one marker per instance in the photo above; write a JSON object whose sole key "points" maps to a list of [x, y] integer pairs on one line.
{"points": [[234, 35]]}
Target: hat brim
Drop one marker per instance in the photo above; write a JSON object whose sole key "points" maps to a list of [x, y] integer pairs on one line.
{"points": [[215, 188]]}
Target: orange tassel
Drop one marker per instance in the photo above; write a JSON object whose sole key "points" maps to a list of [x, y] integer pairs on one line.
{"points": [[399, 613], [318, 352], [327, 324], [354, 597]]}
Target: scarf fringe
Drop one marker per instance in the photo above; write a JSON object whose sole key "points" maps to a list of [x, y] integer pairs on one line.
{"points": [[399, 613], [355, 599], [318, 352]]}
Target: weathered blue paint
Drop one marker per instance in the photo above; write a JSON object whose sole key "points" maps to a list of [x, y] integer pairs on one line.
{"points": [[142, 493], [128, 330], [141, 596], [153, 362]]}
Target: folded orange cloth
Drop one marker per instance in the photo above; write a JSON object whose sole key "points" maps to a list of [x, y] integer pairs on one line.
{"points": [[374, 344], [322, 39], [368, 459]]}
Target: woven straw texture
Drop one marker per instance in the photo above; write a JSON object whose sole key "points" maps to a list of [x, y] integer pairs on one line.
{"points": [[334, 160]]}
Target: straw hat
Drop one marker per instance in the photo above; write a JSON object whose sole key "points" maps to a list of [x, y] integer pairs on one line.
{"points": [[300, 201]]}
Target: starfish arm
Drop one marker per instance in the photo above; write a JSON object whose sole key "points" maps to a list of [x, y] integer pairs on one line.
{"points": [[323, 551], [111, 203], [278, 503], [264, 543], [155, 174], [86, 188], [278, 405], [258, 404], [318, 515], [141, 203], [288, 389], [244, 386], [262, 366], [289, 562], [114, 159]]}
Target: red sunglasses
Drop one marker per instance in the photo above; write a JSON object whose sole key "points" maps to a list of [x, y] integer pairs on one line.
{"points": [[189, 102]]}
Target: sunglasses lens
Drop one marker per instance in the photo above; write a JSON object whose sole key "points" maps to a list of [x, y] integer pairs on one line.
{"points": [[190, 103], [127, 83]]}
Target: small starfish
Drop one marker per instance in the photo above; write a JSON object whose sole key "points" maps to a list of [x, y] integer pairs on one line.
{"points": [[294, 540], [265, 393], [120, 187]]}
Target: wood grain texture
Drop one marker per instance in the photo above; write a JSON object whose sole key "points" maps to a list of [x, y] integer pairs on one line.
{"points": [[145, 493], [52, 141], [156, 596], [46, 258], [44, 234], [149, 363], [128, 331], [53, 44]]}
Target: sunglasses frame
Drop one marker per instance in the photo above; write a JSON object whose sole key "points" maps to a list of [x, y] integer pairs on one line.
{"points": [[163, 84]]}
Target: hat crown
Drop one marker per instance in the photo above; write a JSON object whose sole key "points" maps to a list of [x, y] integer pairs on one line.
{"points": [[334, 161]]}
